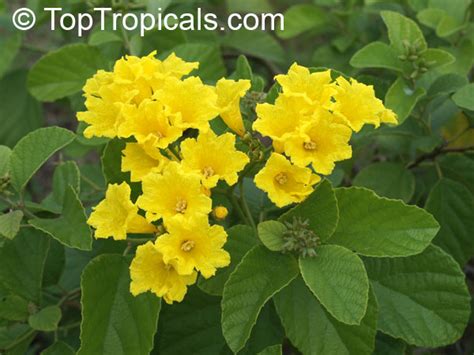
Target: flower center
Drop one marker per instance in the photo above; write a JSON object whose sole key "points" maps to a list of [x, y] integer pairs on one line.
{"points": [[188, 245], [281, 178], [181, 205], [159, 135], [208, 172], [309, 145]]}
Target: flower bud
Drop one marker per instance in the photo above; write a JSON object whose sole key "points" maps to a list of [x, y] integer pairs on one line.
{"points": [[220, 212]]}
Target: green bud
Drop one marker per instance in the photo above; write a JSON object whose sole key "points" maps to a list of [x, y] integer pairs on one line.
{"points": [[300, 239]]}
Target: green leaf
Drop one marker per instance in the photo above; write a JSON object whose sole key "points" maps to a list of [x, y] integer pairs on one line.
{"points": [[64, 72], [320, 209], [243, 70], [314, 331], [271, 234], [390, 180], [59, 348], [33, 150], [71, 227], [402, 99], [211, 65], [272, 350], [46, 320], [10, 45], [464, 54], [464, 97], [437, 57], [256, 279], [22, 263], [20, 113], [240, 239], [10, 224], [460, 168], [259, 44], [161, 41], [114, 321], [423, 299], [400, 29], [377, 55], [338, 279], [376, 226], [301, 18], [14, 335], [157, 5], [267, 331], [5, 154], [385, 345], [112, 162], [66, 175], [255, 6], [446, 84], [192, 326], [98, 38], [13, 307], [446, 17], [54, 264], [452, 205]]}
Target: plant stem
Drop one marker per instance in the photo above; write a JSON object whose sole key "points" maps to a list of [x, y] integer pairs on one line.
{"points": [[236, 205], [19, 340], [70, 326], [246, 206], [436, 152], [69, 295], [91, 183], [438, 169], [127, 249]]}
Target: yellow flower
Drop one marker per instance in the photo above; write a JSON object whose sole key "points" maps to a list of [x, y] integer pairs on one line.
{"points": [[388, 116], [355, 104], [105, 101], [149, 122], [176, 67], [320, 142], [141, 160], [282, 119], [229, 93], [149, 273], [285, 183], [313, 86], [220, 212], [173, 194], [194, 244], [193, 103], [116, 215], [139, 74], [213, 158]]}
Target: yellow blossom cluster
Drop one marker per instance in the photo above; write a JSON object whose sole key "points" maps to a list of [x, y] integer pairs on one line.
{"points": [[311, 123], [152, 104]]}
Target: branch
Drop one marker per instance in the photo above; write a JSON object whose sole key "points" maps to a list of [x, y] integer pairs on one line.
{"points": [[437, 152]]}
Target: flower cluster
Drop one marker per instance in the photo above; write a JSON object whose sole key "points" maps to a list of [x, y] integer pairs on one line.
{"points": [[311, 123], [163, 115]]}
